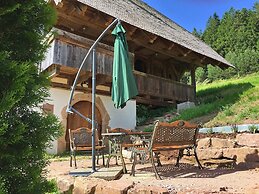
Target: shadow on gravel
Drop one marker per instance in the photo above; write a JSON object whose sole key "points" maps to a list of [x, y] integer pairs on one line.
{"points": [[186, 170]]}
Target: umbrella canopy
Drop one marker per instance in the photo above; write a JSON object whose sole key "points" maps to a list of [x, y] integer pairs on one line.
{"points": [[123, 82]]}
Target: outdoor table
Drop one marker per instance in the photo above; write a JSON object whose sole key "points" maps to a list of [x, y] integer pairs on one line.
{"points": [[115, 147], [145, 138]]}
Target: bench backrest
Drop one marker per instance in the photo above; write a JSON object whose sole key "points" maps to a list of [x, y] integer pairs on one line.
{"points": [[82, 137], [175, 133]]}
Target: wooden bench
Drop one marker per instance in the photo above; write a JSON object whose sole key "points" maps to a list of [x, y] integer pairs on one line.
{"points": [[81, 140], [178, 135]]}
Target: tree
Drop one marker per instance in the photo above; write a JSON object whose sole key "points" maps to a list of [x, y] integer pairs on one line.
{"points": [[197, 33], [235, 37], [210, 33], [25, 132]]}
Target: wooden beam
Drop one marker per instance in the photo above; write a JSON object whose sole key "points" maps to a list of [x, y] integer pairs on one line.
{"points": [[109, 21], [79, 88], [171, 46], [54, 72], [132, 31], [138, 49], [187, 53], [84, 76], [203, 59], [83, 21], [81, 8], [161, 50], [193, 82], [152, 40], [100, 80], [70, 80]]}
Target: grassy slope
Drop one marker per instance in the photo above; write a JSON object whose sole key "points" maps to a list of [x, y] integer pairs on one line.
{"points": [[234, 101]]}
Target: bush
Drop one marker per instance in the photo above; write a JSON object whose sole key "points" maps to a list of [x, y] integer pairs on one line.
{"points": [[145, 112], [234, 129], [253, 129]]}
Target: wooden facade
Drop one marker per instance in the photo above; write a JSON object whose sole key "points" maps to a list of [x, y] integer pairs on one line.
{"points": [[158, 84], [158, 60]]}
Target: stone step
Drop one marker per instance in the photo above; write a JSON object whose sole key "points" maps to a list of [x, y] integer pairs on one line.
{"points": [[108, 174], [111, 173]]}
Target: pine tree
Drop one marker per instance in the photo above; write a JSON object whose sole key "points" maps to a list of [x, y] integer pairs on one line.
{"points": [[210, 33], [235, 37]]}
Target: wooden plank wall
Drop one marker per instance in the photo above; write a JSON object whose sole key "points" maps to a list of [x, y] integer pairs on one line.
{"points": [[72, 55], [48, 60], [158, 87], [69, 50]]}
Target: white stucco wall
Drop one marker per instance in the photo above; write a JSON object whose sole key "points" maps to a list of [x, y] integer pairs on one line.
{"points": [[124, 118], [59, 98]]}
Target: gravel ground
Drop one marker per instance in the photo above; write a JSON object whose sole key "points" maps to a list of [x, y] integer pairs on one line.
{"points": [[185, 179]]}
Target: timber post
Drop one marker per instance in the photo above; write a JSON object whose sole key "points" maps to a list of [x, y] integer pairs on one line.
{"points": [[193, 82]]}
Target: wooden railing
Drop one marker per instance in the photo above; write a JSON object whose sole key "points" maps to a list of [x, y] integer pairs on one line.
{"points": [[163, 88]]}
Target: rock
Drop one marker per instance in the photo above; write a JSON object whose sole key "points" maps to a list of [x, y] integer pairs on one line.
{"points": [[65, 184], [243, 154], [204, 143], [246, 139], [167, 155], [210, 153], [254, 190], [147, 189], [221, 143], [85, 185], [184, 106], [114, 187]]}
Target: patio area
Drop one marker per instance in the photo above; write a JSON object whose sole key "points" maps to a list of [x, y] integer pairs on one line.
{"points": [[187, 178]]}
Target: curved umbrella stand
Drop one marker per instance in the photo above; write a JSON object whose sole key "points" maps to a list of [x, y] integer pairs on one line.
{"points": [[70, 109]]}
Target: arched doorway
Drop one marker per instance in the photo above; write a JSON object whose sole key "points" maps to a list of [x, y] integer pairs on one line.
{"points": [[74, 121]]}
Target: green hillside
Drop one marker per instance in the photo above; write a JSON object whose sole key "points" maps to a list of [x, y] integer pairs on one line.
{"points": [[225, 102]]}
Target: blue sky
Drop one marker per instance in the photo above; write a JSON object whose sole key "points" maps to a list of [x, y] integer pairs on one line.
{"points": [[195, 13]]}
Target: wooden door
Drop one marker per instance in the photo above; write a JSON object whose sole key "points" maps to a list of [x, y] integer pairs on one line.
{"points": [[74, 121]]}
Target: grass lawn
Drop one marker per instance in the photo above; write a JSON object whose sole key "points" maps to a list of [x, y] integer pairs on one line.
{"points": [[233, 101]]}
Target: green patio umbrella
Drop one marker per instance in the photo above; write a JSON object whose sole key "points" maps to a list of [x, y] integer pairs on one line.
{"points": [[123, 82]]}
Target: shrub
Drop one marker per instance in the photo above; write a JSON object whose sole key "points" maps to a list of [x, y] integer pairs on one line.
{"points": [[234, 129], [210, 131], [25, 132], [253, 129]]}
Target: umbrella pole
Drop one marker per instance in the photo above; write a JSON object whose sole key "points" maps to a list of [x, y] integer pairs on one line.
{"points": [[70, 109], [93, 109]]}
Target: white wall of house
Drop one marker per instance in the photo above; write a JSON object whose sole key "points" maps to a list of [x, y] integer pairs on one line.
{"points": [[123, 118]]}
